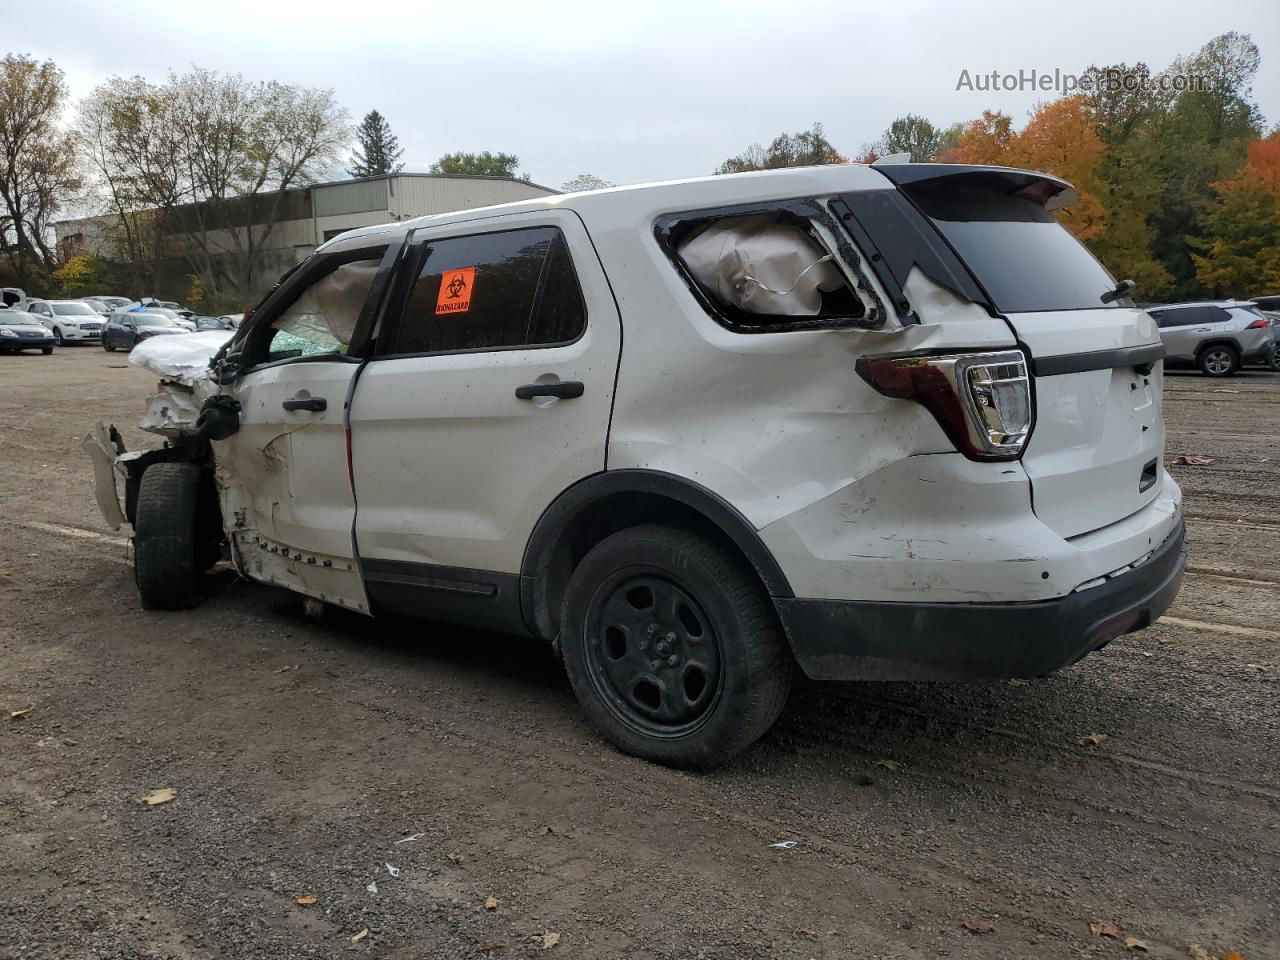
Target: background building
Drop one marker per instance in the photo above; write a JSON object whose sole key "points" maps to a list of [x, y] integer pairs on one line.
{"points": [[306, 217]]}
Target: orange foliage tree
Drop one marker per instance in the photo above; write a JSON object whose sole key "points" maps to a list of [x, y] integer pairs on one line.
{"points": [[1242, 256]]}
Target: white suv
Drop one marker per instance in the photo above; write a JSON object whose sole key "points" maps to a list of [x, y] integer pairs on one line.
{"points": [[68, 320], [882, 422]]}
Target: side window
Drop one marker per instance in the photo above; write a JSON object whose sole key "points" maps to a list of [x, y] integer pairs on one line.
{"points": [[1217, 315], [765, 271], [492, 291], [1186, 317], [323, 316]]}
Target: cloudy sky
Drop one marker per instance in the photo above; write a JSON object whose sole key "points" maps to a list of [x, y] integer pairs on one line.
{"points": [[638, 92]]}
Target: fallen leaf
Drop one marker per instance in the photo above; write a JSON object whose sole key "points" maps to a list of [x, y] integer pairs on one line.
{"points": [[156, 797], [887, 764], [1133, 943], [305, 900], [20, 714], [1189, 461], [360, 936], [491, 903], [455, 858], [978, 926], [1093, 740], [286, 669], [1100, 928], [1232, 955], [550, 939]]}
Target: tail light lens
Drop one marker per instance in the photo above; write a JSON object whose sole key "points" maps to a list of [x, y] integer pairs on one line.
{"points": [[1259, 323], [982, 401]]}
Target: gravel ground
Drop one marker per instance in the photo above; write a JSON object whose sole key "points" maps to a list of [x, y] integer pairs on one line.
{"points": [[302, 750]]}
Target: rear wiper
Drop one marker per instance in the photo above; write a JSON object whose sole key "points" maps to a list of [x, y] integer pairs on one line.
{"points": [[1121, 289]]}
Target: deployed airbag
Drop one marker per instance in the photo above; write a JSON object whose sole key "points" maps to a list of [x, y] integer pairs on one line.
{"points": [[760, 265]]}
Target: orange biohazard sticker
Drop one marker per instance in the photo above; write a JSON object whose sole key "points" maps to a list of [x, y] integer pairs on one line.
{"points": [[455, 290]]}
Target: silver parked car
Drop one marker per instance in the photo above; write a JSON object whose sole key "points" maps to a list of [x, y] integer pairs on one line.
{"points": [[1217, 336]]}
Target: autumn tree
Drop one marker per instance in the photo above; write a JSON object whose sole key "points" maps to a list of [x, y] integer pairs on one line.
{"points": [[484, 164], [38, 174], [378, 150], [806, 148], [1242, 256], [1060, 139], [985, 140]]}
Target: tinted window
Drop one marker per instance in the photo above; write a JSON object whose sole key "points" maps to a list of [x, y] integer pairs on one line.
{"points": [[491, 291], [1023, 257]]}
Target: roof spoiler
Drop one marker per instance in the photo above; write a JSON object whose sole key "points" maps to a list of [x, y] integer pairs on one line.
{"points": [[1050, 192]]}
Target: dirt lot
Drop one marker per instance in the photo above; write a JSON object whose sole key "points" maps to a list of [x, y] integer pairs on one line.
{"points": [[302, 750]]}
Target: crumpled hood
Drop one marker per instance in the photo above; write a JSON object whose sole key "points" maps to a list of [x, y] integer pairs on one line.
{"points": [[184, 358]]}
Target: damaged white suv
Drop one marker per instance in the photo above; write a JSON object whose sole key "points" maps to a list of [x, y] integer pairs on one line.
{"points": [[886, 422]]}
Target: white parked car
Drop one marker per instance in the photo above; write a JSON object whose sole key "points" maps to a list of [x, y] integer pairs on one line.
{"points": [[880, 423], [70, 321]]}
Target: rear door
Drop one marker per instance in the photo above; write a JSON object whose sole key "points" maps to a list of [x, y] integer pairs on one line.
{"points": [[489, 394], [1094, 455]]}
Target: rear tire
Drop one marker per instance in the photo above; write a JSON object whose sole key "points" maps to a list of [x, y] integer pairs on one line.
{"points": [[47, 351], [1274, 362], [1219, 360], [673, 647], [166, 543], [108, 346]]}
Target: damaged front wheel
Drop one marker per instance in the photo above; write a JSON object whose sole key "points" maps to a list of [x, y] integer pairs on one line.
{"points": [[170, 555]]}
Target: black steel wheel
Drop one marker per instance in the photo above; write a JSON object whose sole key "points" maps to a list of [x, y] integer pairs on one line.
{"points": [[673, 647], [654, 658]]}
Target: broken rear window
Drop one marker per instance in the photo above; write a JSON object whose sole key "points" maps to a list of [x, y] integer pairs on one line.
{"points": [[765, 271]]}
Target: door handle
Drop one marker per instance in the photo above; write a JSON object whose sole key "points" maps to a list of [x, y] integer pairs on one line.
{"points": [[565, 390], [310, 403]]}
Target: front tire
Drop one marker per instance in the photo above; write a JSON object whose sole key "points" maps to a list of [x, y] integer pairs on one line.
{"points": [[673, 648], [47, 351], [167, 561], [1219, 360], [58, 338]]}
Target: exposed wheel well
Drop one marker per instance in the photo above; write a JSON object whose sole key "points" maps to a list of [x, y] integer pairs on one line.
{"points": [[1231, 344], [576, 523]]}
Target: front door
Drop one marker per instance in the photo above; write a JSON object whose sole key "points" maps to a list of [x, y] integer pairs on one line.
{"points": [[489, 394], [284, 477]]}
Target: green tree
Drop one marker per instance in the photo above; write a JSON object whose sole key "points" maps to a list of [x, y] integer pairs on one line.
{"points": [[484, 164], [378, 150], [910, 134], [804, 149], [585, 181]]}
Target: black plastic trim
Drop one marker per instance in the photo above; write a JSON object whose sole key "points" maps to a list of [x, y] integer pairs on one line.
{"points": [[1146, 356], [543, 567], [858, 640], [478, 598]]}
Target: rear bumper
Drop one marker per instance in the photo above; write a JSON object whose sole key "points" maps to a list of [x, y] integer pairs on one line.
{"points": [[858, 640]]}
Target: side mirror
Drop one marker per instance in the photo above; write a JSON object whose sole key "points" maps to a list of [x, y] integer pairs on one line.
{"points": [[225, 369]]}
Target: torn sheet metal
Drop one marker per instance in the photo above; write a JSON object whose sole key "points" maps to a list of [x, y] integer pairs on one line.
{"points": [[172, 412], [762, 266], [103, 453], [183, 358]]}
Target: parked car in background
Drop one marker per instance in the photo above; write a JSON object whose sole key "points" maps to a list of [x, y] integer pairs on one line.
{"points": [[70, 321], [127, 329], [1218, 337], [235, 319], [20, 331], [12, 296], [115, 303], [213, 323]]}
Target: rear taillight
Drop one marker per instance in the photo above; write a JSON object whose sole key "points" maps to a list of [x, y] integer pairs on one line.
{"points": [[1259, 323], [982, 401]]}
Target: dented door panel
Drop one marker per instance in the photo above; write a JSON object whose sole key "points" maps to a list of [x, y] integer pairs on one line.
{"points": [[284, 484]]}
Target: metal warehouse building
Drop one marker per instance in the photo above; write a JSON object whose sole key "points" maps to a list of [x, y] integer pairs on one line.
{"points": [[314, 214]]}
